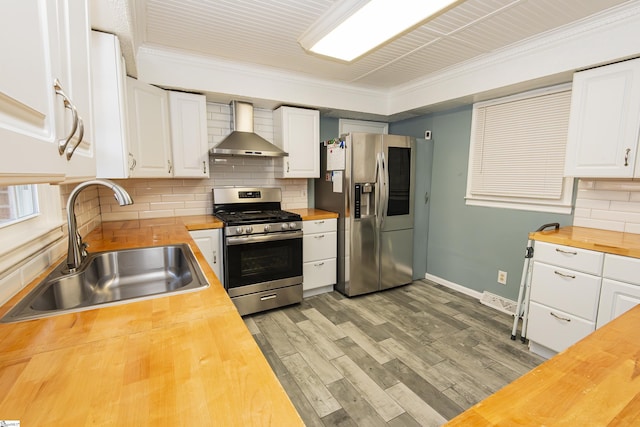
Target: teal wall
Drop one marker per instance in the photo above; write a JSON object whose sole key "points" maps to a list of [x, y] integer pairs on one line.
{"points": [[469, 244]]}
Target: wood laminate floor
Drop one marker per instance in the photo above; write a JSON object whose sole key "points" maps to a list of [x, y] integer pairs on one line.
{"points": [[417, 355]]}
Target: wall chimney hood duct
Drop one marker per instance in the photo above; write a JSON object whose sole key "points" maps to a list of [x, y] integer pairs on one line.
{"points": [[242, 141]]}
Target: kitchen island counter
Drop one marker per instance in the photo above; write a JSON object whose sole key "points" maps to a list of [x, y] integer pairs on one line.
{"points": [[595, 382], [185, 359]]}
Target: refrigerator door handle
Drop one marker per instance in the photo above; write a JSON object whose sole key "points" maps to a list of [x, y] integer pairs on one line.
{"points": [[384, 199]]}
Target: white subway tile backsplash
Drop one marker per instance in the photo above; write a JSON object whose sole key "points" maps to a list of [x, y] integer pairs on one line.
{"points": [[591, 203], [610, 204], [596, 223], [625, 206], [603, 195], [618, 185]]}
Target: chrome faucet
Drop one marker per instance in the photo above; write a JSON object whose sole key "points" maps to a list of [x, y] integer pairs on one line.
{"points": [[77, 248]]}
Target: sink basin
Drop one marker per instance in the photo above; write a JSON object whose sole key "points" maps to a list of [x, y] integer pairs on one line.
{"points": [[113, 277]]}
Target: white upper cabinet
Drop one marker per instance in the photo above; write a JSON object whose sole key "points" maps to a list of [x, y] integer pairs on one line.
{"points": [[167, 132], [189, 144], [27, 96], [150, 136], [43, 42], [297, 132], [75, 79], [113, 158], [605, 122]]}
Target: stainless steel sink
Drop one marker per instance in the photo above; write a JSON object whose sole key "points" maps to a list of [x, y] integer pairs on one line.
{"points": [[113, 277]]}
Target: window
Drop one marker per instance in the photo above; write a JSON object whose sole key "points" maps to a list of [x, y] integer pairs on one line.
{"points": [[17, 202], [516, 158], [30, 218]]}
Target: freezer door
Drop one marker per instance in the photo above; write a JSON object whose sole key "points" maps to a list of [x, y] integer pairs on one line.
{"points": [[396, 258], [364, 264]]}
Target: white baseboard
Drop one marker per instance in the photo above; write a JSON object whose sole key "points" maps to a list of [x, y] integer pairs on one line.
{"points": [[317, 291], [462, 289]]}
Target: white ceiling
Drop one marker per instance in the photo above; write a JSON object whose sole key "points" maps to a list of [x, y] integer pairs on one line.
{"points": [[264, 33]]}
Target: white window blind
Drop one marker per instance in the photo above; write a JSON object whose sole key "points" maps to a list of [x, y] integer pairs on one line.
{"points": [[517, 151]]}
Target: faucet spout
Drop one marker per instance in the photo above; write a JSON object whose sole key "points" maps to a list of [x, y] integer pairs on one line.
{"points": [[76, 252]]}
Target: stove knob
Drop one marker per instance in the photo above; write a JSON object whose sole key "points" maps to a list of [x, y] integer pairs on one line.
{"points": [[292, 226], [248, 229], [239, 230], [285, 226], [267, 228]]}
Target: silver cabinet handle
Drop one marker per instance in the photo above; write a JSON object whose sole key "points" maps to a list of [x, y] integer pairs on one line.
{"points": [[204, 167], [320, 222], [169, 165], [564, 275], [215, 257], [72, 150], [320, 264], [566, 252], [564, 319], [62, 143], [133, 162], [318, 237], [626, 156], [426, 197], [287, 166], [268, 297]]}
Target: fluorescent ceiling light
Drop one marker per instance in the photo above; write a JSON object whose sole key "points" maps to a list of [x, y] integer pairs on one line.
{"points": [[351, 28]]}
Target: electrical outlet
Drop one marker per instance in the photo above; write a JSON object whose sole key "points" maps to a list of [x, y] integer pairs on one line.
{"points": [[427, 134], [502, 277]]}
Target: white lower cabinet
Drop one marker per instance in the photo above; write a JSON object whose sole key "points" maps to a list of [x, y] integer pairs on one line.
{"points": [[620, 287], [319, 252], [210, 244], [565, 290], [575, 291]]}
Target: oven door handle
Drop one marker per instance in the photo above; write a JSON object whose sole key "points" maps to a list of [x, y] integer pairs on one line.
{"points": [[240, 240]]}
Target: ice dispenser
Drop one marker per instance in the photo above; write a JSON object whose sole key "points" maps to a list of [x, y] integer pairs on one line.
{"points": [[364, 198]]}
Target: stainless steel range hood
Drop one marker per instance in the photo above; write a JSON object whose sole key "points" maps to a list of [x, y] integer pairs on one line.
{"points": [[242, 141]]}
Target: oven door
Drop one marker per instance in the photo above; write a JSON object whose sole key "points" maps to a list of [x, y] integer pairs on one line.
{"points": [[262, 262]]}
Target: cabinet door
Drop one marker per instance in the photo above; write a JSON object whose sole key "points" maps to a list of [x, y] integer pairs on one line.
{"points": [[27, 97], [113, 158], [150, 139], [604, 121], [210, 244], [189, 144], [297, 132], [615, 299], [75, 78]]}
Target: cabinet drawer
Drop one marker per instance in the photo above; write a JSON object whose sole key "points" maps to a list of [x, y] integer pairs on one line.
{"points": [[319, 226], [319, 273], [569, 257], [567, 290], [555, 329], [622, 268], [319, 246]]}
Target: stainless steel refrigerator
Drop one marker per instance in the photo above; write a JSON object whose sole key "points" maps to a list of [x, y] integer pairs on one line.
{"points": [[372, 189]]}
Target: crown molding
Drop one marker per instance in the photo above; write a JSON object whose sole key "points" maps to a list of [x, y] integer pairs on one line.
{"points": [[544, 60]]}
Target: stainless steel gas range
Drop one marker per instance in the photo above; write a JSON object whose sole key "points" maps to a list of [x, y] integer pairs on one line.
{"points": [[262, 248]]}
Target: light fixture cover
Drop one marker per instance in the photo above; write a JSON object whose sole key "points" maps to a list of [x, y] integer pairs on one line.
{"points": [[352, 28]]}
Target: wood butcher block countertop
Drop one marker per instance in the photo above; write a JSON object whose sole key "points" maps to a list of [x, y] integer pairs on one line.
{"points": [[312, 214], [595, 382], [185, 360], [613, 242]]}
